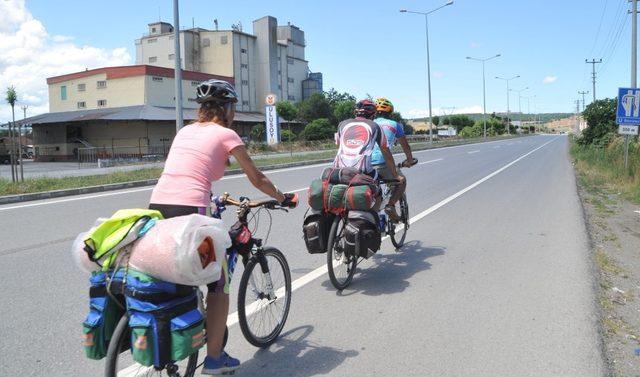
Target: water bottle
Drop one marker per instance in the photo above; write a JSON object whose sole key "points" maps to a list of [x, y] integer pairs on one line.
{"points": [[383, 222]]}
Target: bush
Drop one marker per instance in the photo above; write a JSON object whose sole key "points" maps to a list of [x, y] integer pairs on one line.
{"points": [[258, 133], [472, 131], [601, 120], [343, 110], [286, 136], [319, 129]]}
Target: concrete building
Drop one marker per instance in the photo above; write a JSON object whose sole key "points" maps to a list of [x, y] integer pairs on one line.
{"points": [[271, 60]]}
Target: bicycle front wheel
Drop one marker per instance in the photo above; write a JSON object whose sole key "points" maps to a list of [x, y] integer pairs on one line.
{"points": [[398, 233], [341, 267], [119, 362], [264, 297]]}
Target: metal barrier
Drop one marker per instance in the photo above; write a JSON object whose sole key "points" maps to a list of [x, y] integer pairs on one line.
{"points": [[121, 155]]}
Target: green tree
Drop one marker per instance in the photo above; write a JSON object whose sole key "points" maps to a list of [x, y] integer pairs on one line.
{"points": [[435, 120], [258, 133], [343, 110], [601, 120], [12, 98], [333, 96], [460, 122], [472, 131], [319, 129], [286, 110], [446, 121], [315, 107]]}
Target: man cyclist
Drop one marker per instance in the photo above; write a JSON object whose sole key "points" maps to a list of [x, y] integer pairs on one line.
{"points": [[394, 131], [358, 137]]}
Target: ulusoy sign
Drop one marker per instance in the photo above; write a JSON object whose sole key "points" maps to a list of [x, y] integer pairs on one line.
{"points": [[273, 128], [628, 111]]}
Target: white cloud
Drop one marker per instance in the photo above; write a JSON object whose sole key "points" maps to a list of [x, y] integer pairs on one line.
{"points": [[550, 79], [30, 54], [421, 113], [475, 45]]}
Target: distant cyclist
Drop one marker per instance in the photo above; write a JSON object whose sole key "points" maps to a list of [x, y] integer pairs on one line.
{"points": [[357, 138], [394, 131]]}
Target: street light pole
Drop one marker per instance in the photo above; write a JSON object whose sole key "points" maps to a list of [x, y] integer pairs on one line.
{"points": [[507, 81], [178, 66], [519, 105], [484, 92], [426, 25]]}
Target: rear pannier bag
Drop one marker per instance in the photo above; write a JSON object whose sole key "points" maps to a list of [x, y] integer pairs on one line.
{"points": [[166, 324], [315, 231], [104, 313], [362, 237]]}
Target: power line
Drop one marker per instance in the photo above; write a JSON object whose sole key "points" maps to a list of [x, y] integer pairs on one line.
{"points": [[595, 42]]}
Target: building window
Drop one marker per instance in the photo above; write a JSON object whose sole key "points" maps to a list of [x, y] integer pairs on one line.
{"points": [[243, 50], [82, 87], [224, 40], [153, 30], [156, 78], [172, 56], [102, 102], [291, 98], [245, 66], [152, 40], [279, 86], [63, 92], [102, 84], [206, 42], [82, 105], [290, 61], [245, 82], [245, 103], [290, 79], [153, 59], [195, 83]]}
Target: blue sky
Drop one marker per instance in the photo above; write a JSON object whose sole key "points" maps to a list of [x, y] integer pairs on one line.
{"points": [[369, 47]]}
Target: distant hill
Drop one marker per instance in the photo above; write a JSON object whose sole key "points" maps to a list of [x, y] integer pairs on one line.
{"points": [[544, 117]]}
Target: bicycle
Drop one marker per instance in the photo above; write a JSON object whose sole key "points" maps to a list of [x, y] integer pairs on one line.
{"points": [[342, 267], [261, 288]]}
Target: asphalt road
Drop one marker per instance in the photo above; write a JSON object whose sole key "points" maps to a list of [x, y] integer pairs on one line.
{"points": [[495, 279]]}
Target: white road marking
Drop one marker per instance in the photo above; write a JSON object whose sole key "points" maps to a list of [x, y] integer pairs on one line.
{"points": [[84, 197], [430, 161], [300, 282], [472, 152], [496, 147]]}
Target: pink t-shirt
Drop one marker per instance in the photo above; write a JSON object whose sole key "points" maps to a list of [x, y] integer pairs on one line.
{"points": [[197, 157]]}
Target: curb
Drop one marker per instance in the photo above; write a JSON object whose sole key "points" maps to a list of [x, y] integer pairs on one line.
{"points": [[9, 199]]}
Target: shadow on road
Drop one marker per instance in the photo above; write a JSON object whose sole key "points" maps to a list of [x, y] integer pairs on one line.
{"points": [[292, 355], [389, 273]]}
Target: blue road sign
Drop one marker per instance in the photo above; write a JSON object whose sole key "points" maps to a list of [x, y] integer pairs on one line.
{"points": [[628, 111]]}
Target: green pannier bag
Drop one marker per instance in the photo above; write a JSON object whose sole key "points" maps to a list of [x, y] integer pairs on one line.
{"points": [[316, 194], [335, 197], [360, 198]]}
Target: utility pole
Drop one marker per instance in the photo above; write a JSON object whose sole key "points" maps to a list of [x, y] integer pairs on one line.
{"points": [[583, 93], [24, 111], [178, 66], [634, 42], [577, 116], [593, 62]]}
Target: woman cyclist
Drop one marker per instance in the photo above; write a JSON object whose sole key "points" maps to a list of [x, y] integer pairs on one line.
{"points": [[198, 156]]}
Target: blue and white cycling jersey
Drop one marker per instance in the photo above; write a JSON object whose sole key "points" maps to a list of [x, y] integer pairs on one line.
{"points": [[392, 130]]}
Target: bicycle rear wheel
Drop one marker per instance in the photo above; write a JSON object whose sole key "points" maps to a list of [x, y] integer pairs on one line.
{"points": [[264, 297], [398, 231], [119, 362], [341, 267]]}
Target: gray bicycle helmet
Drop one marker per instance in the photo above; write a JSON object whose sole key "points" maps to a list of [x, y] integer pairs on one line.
{"points": [[216, 91]]}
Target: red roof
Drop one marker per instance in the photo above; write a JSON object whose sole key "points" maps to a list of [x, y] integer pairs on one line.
{"points": [[137, 70]]}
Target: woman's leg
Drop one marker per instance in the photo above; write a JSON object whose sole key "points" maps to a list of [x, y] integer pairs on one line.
{"points": [[217, 311]]}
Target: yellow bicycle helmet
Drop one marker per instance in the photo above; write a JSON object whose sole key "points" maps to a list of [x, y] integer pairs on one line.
{"points": [[383, 105]]}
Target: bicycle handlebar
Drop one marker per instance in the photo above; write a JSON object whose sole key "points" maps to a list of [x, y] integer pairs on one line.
{"points": [[267, 203]]}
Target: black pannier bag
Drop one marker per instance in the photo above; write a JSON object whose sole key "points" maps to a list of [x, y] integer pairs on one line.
{"points": [[362, 236], [315, 230]]}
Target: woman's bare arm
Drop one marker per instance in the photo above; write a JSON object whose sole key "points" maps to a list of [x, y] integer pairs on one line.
{"points": [[256, 177]]}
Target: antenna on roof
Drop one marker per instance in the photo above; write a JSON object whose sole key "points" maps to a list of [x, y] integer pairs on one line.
{"points": [[159, 16], [193, 22], [215, 22]]}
